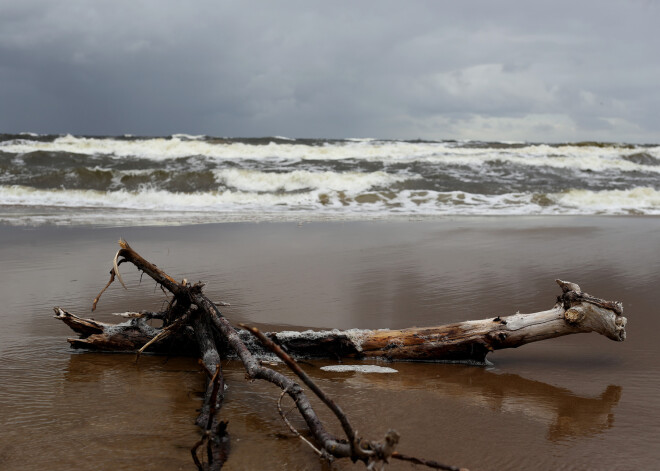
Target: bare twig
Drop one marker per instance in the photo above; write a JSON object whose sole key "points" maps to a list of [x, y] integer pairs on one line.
{"points": [[291, 427], [115, 266], [98, 296], [166, 331], [150, 269], [428, 463], [203, 365], [193, 452]]}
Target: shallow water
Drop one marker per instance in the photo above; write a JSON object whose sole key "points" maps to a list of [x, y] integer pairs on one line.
{"points": [[578, 402]]}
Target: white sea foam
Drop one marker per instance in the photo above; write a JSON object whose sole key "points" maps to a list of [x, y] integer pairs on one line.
{"points": [[351, 182], [334, 203], [356, 336], [636, 200], [358, 369], [149, 199], [584, 158], [189, 137]]}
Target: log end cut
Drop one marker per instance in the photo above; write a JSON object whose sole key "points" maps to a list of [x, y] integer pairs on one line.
{"points": [[591, 314], [592, 318]]}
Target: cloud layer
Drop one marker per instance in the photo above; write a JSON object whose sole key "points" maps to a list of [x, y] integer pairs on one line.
{"points": [[510, 70]]}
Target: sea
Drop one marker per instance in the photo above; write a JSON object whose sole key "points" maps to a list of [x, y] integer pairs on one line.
{"points": [[184, 179]]}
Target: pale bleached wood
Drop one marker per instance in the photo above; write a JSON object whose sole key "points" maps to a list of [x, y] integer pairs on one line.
{"points": [[575, 312]]}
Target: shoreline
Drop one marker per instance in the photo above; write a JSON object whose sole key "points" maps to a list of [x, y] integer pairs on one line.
{"points": [[191, 218]]}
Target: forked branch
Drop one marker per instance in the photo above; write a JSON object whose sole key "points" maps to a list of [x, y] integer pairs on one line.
{"points": [[215, 337]]}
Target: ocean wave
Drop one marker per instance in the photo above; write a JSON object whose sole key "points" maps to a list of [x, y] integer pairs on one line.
{"points": [[356, 178], [571, 156], [333, 202], [185, 137], [297, 180], [642, 200]]}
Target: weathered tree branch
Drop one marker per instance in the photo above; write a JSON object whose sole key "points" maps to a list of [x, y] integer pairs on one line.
{"points": [[293, 366], [190, 308], [192, 324], [215, 434]]}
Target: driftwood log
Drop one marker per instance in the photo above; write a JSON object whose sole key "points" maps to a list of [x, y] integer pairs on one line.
{"points": [[193, 325], [469, 341]]}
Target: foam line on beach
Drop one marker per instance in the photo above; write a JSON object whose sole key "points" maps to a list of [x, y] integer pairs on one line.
{"points": [[335, 204]]}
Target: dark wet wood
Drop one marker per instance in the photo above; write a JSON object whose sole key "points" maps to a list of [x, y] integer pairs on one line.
{"points": [[215, 436], [127, 336]]}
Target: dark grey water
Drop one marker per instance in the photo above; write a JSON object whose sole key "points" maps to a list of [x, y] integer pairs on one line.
{"points": [[578, 402]]}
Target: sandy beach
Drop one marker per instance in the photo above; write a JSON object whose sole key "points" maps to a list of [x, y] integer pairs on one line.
{"points": [[578, 402]]}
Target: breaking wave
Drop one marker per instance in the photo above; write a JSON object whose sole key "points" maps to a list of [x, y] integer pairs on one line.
{"points": [[187, 178]]}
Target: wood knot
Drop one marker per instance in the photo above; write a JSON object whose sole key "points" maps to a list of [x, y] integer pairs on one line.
{"points": [[574, 316]]}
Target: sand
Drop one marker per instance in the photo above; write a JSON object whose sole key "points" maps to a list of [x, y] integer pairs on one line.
{"points": [[577, 402]]}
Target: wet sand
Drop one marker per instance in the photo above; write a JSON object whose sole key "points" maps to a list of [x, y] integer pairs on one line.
{"points": [[578, 402]]}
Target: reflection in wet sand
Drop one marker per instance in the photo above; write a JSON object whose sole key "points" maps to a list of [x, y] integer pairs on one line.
{"points": [[568, 415], [250, 407], [115, 401]]}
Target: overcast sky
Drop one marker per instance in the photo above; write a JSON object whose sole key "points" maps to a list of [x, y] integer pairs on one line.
{"points": [[491, 70]]}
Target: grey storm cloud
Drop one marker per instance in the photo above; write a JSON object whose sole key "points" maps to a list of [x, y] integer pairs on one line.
{"points": [[551, 71]]}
